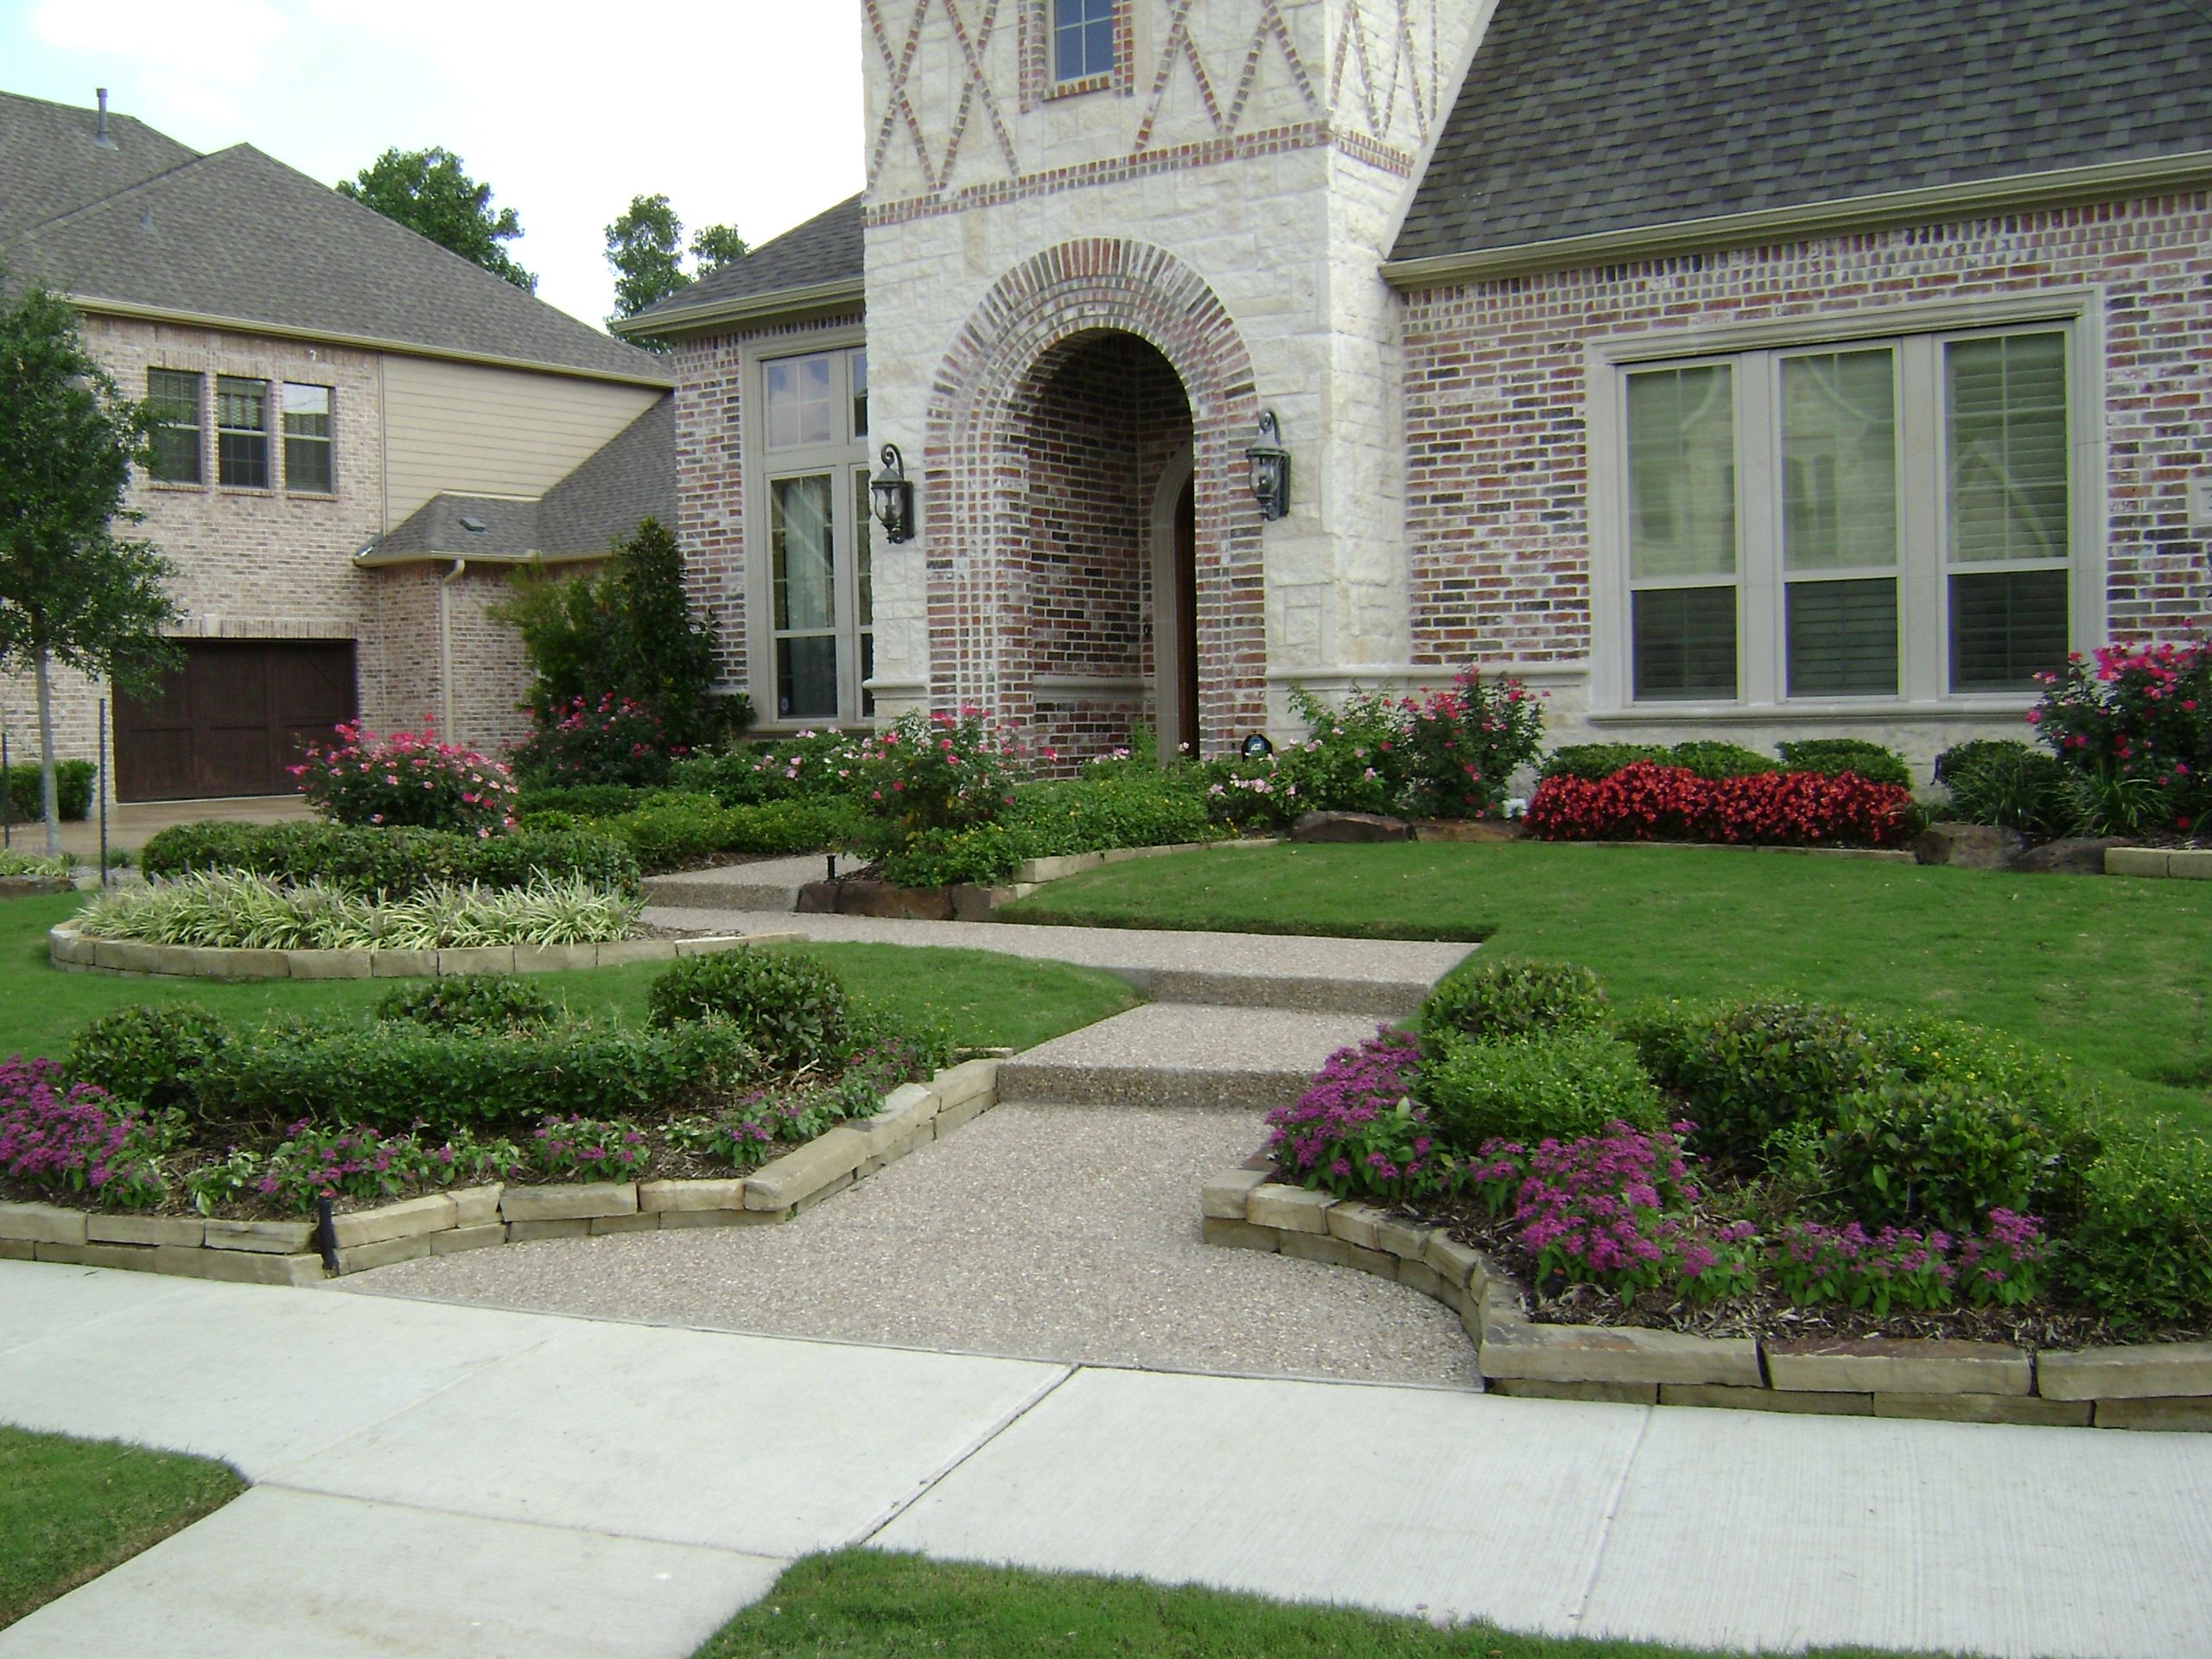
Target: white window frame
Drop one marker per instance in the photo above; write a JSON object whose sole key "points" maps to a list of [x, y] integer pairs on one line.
{"points": [[1917, 331], [846, 458]]}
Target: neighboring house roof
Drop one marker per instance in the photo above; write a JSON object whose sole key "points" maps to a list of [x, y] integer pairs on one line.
{"points": [[817, 262], [1580, 117], [629, 478], [239, 237]]}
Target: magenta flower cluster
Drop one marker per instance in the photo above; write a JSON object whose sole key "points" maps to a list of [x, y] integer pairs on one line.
{"points": [[2140, 717], [590, 1149], [1912, 1268], [406, 779], [1356, 1131], [74, 1138]]}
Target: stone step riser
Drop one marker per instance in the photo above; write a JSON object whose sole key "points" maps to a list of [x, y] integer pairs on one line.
{"points": [[1379, 1000], [1045, 1085], [693, 895]]}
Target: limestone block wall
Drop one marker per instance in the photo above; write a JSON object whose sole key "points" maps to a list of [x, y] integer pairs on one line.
{"points": [[1497, 383]]}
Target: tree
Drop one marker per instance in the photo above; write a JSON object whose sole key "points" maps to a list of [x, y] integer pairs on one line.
{"points": [[71, 592], [426, 191], [645, 247]]}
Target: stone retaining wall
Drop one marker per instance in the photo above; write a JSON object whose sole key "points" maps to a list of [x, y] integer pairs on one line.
{"points": [[2177, 863], [444, 1223], [72, 951], [2163, 1386]]}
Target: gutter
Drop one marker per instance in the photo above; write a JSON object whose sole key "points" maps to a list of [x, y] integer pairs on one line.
{"points": [[370, 559], [2066, 187], [783, 302]]}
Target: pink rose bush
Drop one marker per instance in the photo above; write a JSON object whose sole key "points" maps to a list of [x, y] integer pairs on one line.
{"points": [[406, 779]]}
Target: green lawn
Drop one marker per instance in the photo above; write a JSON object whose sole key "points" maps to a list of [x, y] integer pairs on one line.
{"points": [[2115, 973], [992, 1001], [860, 1605], [71, 1510]]}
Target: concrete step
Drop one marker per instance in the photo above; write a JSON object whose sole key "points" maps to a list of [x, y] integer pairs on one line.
{"points": [[1180, 1054], [768, 885]]}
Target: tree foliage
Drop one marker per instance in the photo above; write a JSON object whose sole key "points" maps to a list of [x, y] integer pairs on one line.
{"points": [[646, 248], [429, 192], [627, 629], [72, 592]]}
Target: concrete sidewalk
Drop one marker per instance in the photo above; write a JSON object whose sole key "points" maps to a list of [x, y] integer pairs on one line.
{"points": [[434, 1480]]}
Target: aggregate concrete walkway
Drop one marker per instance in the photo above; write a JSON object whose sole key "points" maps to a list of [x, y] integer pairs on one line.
{"points": [[1044, 1232], [434, 1480]]}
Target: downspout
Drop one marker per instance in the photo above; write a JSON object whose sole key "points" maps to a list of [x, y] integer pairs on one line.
{"points": [[445, 648]]}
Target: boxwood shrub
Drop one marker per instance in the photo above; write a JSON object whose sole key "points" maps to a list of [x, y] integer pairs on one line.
{"points": [[470, 1003], [1710, 759], [673, 830], [1551, 1084], [1830, 755], [395, 863], [1154, 808], [1591, 761], [791, 1008], [580, 800], [1493, 998], [72, 790], [151, 1056]]}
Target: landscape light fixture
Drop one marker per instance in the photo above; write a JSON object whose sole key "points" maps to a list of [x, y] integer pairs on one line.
{"points": [[1256, 746], [1270, 464], [894, 496]]}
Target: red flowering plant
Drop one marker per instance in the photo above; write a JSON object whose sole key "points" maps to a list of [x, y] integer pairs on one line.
{"points": [[936, 771], [407, 780], [1649, 802], [606, 740], [2134, 727], [1466, 744]]}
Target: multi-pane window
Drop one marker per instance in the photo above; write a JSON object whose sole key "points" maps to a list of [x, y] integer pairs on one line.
{"points": [[819, 644], [173, 398], [1790, 534], [1083, 40], [242, 432], [307, 439]]}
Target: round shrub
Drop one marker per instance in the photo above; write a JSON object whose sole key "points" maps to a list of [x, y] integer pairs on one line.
{"points": [[1745, 1069], [1493, 999], [1947, 1150], [1711, 760], [1558, 1086], [149, 1055], [791, 1008], [470, 1003], [1831, 755], [1593, 762]]}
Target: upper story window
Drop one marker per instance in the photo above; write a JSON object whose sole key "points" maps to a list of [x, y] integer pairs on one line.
{"points": [[307, 439], [173, 398], [1083, 40], [1880, 519], [241, 432]]}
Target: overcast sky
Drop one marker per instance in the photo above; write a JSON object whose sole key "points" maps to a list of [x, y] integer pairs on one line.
{"points": [[744, 111]]}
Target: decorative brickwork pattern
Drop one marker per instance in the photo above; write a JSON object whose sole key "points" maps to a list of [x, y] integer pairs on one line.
{"points": [[976, 504], [1497, 508]]}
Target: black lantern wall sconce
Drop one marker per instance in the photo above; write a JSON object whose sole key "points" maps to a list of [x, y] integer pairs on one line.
{"points": [[894, 496], [1270, 464]]}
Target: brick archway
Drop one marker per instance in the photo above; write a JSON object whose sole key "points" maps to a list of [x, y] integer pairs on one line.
{"points": [[976, 464]]}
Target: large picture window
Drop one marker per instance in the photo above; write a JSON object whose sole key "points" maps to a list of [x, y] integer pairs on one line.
{"points": [[1880, 519], [815, 588]]}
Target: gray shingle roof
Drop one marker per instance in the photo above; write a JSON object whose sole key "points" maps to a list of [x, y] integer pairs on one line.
{"points": [[825, 249], [629, 478], [1580, 116], [239, 234], [50, 163]]}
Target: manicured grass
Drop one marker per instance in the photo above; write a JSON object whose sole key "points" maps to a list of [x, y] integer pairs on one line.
{"points": [[991, 1000], [2113, 972], [860, 1605], [71, 1510]]}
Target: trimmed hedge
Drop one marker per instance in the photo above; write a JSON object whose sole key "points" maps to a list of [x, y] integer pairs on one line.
{"points": [[1491, 999], [1593, 762], [672, 829], [1049, 820], [395, 863], [1831, 755], [1541, 1085], [582, 800], [72, 790]]}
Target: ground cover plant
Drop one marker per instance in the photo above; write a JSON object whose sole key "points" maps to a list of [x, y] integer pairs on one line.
{"points": [[866, 1605], [1745, 1165], [15, 863], [2113, 974], [71, 1510]]}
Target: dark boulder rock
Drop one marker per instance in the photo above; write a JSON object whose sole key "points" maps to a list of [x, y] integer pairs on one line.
{"points": [[2070, 856], [1350, 827], [1970, 846]]}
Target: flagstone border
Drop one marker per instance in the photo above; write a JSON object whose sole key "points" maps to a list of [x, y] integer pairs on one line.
{"points": [[70, 951], [2160, 863], [445, 1224], [2154, 1386]]}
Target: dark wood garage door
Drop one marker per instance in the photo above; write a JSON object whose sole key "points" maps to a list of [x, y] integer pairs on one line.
{"points": [[232, 719]]}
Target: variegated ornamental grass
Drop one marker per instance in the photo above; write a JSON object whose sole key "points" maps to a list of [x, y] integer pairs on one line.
{"points": [[236, 910], [15, 863]]}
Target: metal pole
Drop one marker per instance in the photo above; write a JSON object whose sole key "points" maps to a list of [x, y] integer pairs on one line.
{"points": [[7, 797], [99, 783]]}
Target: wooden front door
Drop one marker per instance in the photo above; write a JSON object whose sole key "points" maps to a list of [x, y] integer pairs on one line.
{"points": [[232, 719]]}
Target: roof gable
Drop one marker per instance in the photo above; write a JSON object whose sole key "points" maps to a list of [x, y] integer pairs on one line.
{"points": [[1580, 117], [826, 250]]}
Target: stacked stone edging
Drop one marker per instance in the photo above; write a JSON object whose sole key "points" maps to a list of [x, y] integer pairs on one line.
{"points": [[2159, 1386], [2160, 863], [445, 1224], [72, 952]]}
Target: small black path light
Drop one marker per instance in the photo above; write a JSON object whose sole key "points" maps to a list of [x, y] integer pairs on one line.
{"points": [[894, 496], [1270, 464], [1256, 746]]}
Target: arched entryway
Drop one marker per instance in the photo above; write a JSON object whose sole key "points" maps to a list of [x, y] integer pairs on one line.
{"points": [[1093, 552]]}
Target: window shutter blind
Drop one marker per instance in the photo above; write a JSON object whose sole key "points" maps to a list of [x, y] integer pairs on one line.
{"points": [[2007, 419], [1843, 638], [1685, 643], [1681, 447], [2006, 627]]}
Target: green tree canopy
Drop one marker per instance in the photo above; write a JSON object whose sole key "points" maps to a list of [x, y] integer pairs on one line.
{"points": [[71, 591], [646, 246], [429, 192]]}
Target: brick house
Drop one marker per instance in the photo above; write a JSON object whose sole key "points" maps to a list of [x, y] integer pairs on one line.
{"points": [[365, 434], [1733, 368]]}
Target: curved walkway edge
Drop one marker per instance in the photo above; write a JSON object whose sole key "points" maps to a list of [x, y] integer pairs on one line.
{"points": [[552, 1486]]}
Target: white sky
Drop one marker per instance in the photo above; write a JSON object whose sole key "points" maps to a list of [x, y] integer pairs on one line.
{"points": [[745, 111]]}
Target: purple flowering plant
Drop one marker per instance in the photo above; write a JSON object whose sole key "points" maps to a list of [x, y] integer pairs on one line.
{"points": [[1910, 1266], [1358, 1130], [76, 1139], [588, 1149]]}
